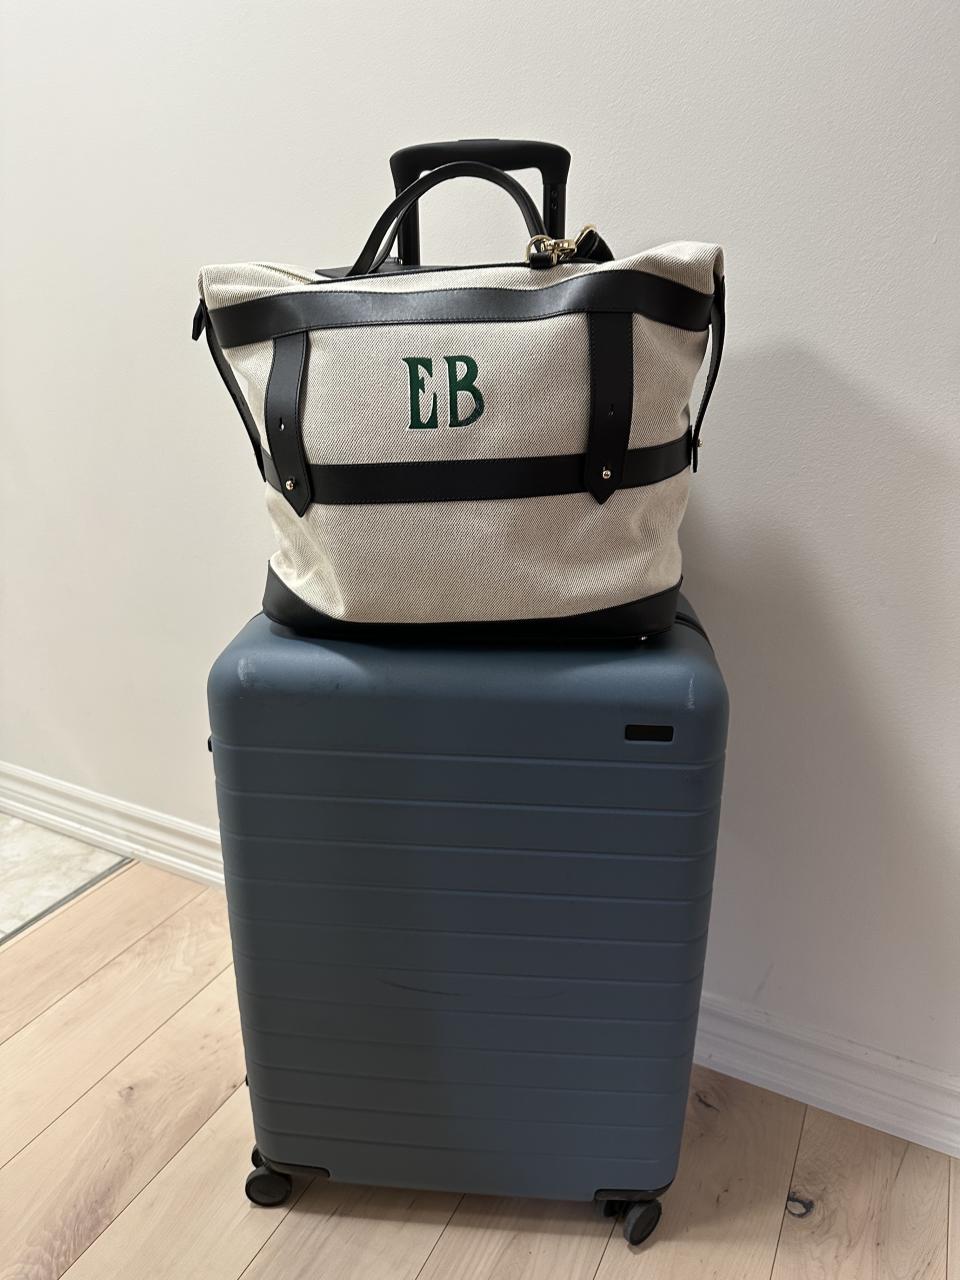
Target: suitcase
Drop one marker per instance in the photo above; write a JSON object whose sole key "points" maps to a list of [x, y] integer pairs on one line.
{"points": [[468, 892]]}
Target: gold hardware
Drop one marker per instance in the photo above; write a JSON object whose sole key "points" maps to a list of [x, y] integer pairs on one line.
{"points": [[558, 250], [540, 244]]}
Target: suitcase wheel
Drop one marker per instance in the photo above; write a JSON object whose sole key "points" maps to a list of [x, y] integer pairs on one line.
{"points": [[641, 1221], [256, 1159], [267, 1187]]}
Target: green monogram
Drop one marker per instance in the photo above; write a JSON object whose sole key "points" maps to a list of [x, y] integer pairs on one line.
{"points": [[419, 368]]}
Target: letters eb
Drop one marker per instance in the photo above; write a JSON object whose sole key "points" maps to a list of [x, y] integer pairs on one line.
{"points": [[420, 368]]}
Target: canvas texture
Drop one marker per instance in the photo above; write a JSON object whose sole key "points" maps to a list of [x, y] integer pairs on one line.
{"points": [[489, 560]]}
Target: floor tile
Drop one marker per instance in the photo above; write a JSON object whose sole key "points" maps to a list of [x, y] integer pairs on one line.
{"points": [[40, 869]]}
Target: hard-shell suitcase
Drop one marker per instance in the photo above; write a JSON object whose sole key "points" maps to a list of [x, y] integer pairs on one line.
{"points": [[469, 890]]}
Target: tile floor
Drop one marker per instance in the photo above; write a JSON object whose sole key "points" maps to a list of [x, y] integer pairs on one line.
{"points": [[40, 869]]}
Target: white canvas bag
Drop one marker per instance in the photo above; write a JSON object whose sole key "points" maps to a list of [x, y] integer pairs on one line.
{"points": [[493, 448]]}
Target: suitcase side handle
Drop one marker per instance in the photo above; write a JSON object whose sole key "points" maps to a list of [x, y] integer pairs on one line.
{"points": [[552, 160], [382, 236]]}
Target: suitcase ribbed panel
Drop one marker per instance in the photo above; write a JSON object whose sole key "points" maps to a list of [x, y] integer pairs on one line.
{"points": [[452, 867], [363, 775], [427, 952], [469, 913]]}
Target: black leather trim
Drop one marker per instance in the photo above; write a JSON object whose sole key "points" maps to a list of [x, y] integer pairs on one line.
{"points": [[591, 247], [633, 621], [611, 401], [479, 479], [634, 292], [282, 421]]}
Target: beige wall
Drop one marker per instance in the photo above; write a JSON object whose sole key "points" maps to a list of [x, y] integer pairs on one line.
{"points": [[817, 142]]}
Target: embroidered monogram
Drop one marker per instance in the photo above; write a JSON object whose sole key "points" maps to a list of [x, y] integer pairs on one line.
{"points": [[420, 368]]}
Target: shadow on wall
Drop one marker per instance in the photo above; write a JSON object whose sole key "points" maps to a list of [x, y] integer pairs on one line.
{"points": [[837, 885]]}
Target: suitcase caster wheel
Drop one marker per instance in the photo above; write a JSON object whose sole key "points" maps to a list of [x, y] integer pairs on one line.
{"points": [[641, 1221], [268, 1187], [256, 1159]]}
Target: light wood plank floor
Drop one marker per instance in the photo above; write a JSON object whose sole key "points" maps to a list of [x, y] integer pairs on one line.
{"points": [[125, 1137]]}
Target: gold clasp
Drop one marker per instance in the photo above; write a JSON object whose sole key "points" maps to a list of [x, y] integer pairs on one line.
{"points": [[559, 250]]}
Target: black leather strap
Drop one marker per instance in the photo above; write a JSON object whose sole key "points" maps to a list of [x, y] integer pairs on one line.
{"points": [[611, 401], [377, 248], [591, 247], [718, 324], [314, 307], [202, 324], [282, 415], [479, 479], [625, 622]]}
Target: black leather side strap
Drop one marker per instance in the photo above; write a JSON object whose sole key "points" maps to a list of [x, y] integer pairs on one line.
{"points": [[202, 324], [282, 414], [718, 325], [611, 401]]}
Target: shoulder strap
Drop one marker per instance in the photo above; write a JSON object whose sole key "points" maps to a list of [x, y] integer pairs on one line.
{"points": [[718, 326], [201, 324]]}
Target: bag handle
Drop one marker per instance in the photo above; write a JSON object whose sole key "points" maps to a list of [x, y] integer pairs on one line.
{"points": [[552, 160], [375, 251]]}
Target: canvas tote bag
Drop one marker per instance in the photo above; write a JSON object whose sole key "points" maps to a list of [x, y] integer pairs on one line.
{"points": [[499, 450]]}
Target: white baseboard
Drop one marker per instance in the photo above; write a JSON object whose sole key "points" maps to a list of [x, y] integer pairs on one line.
{"points": [[868, 1085], [183, 847], [838, 1075]]}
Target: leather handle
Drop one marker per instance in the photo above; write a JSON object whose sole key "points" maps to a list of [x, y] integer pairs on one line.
{"points": [[552, 160], [379, 241]]}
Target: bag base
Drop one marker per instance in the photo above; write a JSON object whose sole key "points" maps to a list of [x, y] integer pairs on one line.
{"points": [[629, 622]]}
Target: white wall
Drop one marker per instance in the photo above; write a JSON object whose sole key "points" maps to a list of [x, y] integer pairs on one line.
{"points": [[817, 142]]}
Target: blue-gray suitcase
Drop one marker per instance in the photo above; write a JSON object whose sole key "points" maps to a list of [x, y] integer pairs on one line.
{"points": [[469, 890]]}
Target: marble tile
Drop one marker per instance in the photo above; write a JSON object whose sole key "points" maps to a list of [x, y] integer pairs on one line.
{"points": [[39, 868]]}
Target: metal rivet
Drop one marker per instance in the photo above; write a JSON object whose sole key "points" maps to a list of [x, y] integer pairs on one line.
{"points": [[290, 485], [606, 473]]}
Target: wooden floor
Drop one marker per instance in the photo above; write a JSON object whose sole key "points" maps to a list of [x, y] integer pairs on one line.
{"points": [[125, 1137]]}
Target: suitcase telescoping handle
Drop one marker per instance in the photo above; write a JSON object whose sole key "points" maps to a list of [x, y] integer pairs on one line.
{"points": [[501, 153], [382, 236]]}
